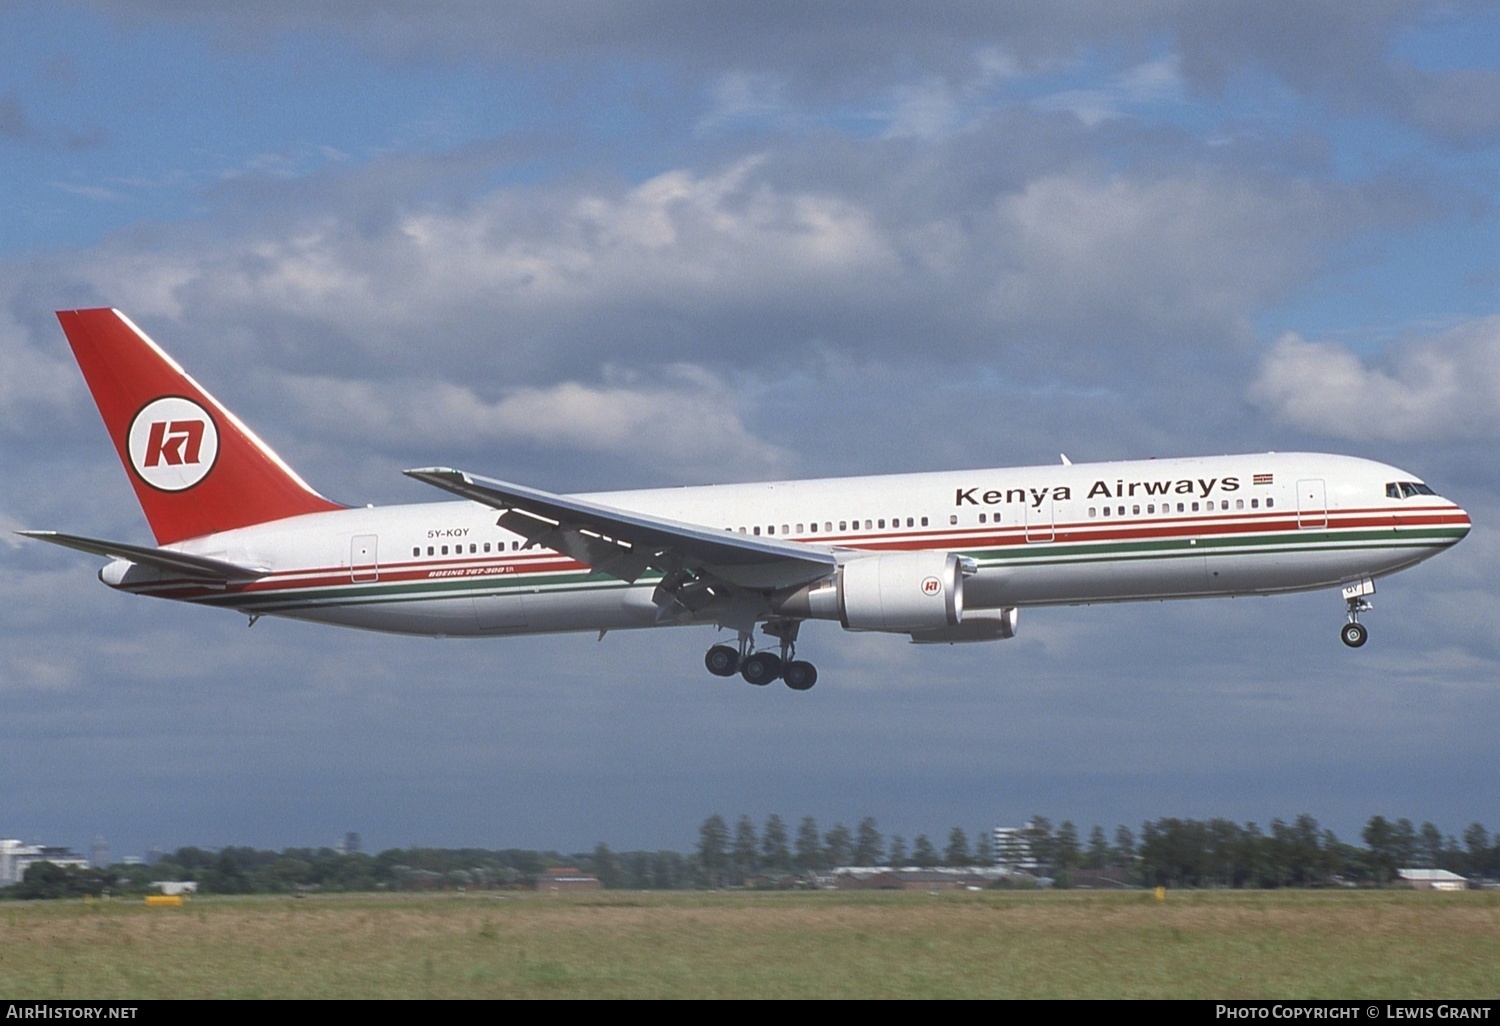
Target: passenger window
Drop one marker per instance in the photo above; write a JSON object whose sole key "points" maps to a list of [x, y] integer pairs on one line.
{"points": [[1150, 507], [1122, 511], [1195, 507], [417, 551], [813, 525], [1135, 511], [1106, 511], [828, 526], [1270, 502], [867, 526], [799, 528], [445, 550], [429, 550], [757, 531], [952, 519], [981, 518], [882, 524], [1092, 512], [924, 521]]}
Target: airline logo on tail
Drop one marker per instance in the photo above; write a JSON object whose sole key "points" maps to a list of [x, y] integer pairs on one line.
{"points": [[173, 443]]}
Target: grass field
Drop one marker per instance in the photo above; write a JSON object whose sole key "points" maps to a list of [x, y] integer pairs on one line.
{"points": [[1283, 944]]}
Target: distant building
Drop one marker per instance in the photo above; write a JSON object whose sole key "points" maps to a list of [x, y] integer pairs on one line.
{"points": [[1432, 880], [912, 878], [16, 857], [351, 844], [176, 887], [1013, 848], [567, 878], [99, 855]]}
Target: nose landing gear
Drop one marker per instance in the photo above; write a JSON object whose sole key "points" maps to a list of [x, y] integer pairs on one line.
{"points": [[1354, 633]]}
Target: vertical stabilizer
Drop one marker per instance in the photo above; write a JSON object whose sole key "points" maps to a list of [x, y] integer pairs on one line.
{"points": [[195, 467]]}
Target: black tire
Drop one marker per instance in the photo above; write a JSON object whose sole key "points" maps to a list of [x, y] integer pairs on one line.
{"points": [[798, 675], [760, 668], [1354, 634], [722, 661]]}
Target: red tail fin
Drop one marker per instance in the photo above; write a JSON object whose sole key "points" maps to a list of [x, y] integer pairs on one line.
{"points": [[195, 467]]}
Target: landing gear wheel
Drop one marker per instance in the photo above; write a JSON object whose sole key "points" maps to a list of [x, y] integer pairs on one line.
{"points": [[760, 668], [799, 675], [722, 661], [1354, 634]]}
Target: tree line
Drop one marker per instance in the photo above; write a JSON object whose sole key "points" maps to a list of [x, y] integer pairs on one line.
{"points": [[1165, 852], [1168, 851]]}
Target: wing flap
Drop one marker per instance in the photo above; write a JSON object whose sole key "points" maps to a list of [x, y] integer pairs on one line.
{"points": [[167, 560], [625, 544]]}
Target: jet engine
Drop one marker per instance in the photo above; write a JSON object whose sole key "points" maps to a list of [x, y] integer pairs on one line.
{"points": [[978, 625], [892, 591]]}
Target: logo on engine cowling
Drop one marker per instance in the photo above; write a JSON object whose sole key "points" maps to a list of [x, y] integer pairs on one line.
{"points": [[932, 586], [173, 443]]}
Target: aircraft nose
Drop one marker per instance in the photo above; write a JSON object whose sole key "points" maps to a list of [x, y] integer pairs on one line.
{"points": [[1457, 523], [1464, 523]]}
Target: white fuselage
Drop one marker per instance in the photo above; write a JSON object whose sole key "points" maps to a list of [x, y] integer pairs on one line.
{"points": [[1047, 535]]}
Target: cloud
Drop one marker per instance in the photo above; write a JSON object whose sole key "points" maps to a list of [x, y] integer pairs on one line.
{"points": [[1444, 386], [737, 268], [1461, 105], [18, 127], [1331, 51], [30, 382], [1152, 264], [681, 418], [1150, 83]]}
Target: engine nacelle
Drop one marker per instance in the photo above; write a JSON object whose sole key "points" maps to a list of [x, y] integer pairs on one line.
{"points": [[893, 591], [978, 625]]}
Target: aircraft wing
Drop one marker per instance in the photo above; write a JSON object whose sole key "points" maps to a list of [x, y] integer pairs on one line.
{"points": [[166, 560], [625, 544]]}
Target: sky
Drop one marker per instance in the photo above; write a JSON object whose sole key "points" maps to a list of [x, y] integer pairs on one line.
{"points": [[589, 245]]}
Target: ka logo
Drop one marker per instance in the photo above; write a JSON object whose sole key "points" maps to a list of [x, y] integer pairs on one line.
{"points": [[173, 443], [931, 586]]}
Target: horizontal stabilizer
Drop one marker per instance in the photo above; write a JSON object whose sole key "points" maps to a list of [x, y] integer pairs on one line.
{"points": [[162, 559]]}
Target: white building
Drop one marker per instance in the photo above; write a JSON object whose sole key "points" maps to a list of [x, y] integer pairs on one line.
{"points": [[1013, 848], [16, 857], [1433, 879]]}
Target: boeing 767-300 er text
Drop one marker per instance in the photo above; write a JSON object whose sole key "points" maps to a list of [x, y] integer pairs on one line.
{"points": [[942, 557]]}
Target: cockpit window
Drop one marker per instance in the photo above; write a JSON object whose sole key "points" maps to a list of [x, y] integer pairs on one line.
{"points": [[1406, 489]]}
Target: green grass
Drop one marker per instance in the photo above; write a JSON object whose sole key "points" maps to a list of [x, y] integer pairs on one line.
{"points": [[1283, 944]]}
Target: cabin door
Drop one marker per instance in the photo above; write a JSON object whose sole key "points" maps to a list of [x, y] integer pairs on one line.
{"points": [[1039, 522], [1312, 503], [363, 565]]}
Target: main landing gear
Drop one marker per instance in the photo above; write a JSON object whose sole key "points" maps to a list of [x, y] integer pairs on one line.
{"points": [[760, 668], [1354, 633]]}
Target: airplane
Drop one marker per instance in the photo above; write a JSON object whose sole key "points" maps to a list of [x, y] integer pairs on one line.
{"points": [[943, 557]]}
